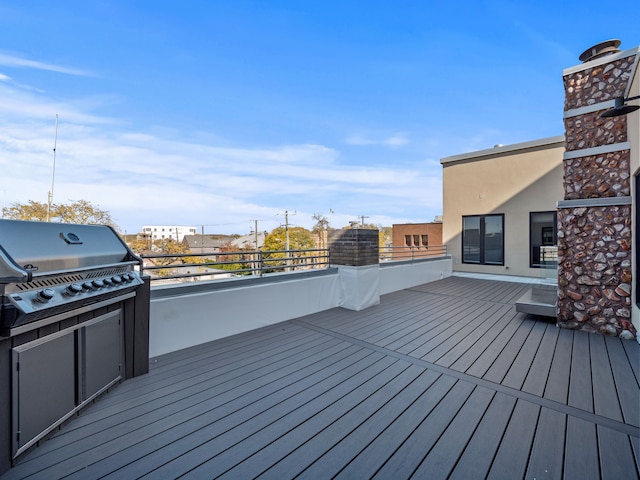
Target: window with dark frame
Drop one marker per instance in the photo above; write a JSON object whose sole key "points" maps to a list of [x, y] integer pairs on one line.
{"points": [[543, 239], [483, 239], [425, 240], [407, 240], [416, 240]]}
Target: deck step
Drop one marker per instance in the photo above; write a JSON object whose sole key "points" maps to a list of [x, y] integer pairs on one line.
{"points": [[538, 301]]}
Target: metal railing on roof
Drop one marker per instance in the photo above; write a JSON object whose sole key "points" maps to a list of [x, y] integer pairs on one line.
{"points": [[212, 266], [393, 254]]}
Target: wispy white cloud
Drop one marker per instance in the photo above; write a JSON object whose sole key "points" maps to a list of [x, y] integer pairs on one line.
{"points": [[4, 78], [8, 60], [148, 177], [395, 140]]}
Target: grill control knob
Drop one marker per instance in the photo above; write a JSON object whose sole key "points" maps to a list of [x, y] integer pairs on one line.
{"points": [[97, 283], [88, 286], [117, 279], [45, 295], [108, 282], [73, 289], [127, 278]]}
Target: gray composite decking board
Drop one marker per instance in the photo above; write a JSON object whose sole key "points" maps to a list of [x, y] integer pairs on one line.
{"points": [[626, 387], [370, 326], [521, 365], [298, 426], [447, 326], [189, 409], [379, 317], [505, 358], [328, 427], [507, 294], [632, 353], [191, 451], [512, 456], [238, 345], [428, 338], [404, 461], [289, 395], [215, 433], [539, 370], [125, 417], [485, 360], [162, 414], [501, 328], [457, 333], [220, 374], [547, 453], [580, 383], [635, 447], [444, 455], [366, 463], [411, 320], [483, 445], [329, 456], [605, 396], [436, 323], [616, 457], [404, 342], [557, 387], [426, 316], [463, 345], [581, 450]]}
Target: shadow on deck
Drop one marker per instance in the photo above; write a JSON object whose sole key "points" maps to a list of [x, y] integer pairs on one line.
{"points": [[445, 380]]}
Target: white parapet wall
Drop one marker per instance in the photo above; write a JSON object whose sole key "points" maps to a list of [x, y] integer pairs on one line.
{"points": [[186, 315], [396, 276], [190, 314]]}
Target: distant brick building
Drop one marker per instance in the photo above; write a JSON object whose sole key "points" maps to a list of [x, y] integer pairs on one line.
{"points": [[421, 235]]}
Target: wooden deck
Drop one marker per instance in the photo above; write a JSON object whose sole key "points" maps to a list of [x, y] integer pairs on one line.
{"points": [[445, 380]]}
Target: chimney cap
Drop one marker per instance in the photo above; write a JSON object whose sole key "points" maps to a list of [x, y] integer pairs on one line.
{"points": [[600, 50]]}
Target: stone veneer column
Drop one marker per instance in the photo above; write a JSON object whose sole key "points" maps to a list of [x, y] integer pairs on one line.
{"points": [[594, 220]]}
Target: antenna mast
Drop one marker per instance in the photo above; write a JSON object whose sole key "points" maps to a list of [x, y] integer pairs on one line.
{"points": [[53, 173]]}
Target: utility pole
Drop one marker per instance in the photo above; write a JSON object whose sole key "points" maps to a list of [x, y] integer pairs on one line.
{"points": [[286, 229], [255, 229], [362, 217], [53, 174]]}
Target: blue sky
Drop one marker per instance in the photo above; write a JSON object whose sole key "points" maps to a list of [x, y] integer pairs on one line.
{"points": [[219, 113]]}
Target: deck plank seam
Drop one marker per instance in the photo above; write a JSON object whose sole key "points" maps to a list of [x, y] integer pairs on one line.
{"points": [[518, 394]]}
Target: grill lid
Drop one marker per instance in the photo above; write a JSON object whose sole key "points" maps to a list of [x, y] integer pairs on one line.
{"points": [[37, 248]]}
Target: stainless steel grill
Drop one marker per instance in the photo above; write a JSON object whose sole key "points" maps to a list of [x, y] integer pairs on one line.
{"points": [[74, 322], [49, 268]]}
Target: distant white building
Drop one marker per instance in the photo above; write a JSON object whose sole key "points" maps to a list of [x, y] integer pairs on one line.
{"points": [[168, 232]]}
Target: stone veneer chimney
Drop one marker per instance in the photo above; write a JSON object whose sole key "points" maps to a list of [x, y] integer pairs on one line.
{"points": [[594, 220]]}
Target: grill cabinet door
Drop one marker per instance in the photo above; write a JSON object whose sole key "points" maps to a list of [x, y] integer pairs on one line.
{"points": [[102, 352], [44, 385]]}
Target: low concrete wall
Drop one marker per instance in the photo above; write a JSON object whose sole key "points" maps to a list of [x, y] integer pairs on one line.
{"points": [[396, 276], [185, 315]]}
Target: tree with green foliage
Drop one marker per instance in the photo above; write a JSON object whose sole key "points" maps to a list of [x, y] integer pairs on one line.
{"points": [[299, 239], [80, 211]]}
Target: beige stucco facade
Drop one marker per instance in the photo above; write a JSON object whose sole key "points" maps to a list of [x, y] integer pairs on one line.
{"points": [[512, 180]]}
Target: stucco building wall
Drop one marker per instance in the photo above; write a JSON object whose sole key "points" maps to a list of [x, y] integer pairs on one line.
{"points": [[513, 180]]}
